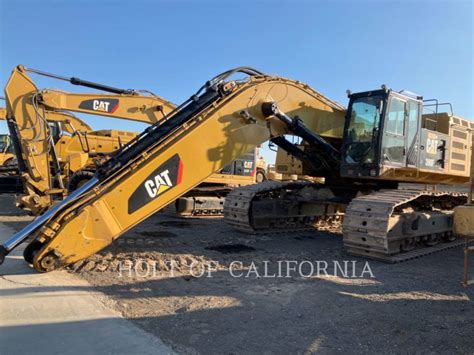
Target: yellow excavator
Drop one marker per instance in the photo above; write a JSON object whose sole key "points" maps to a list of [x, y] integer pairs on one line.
{"points": [[9, 179], [67, 130], [224, 119], [60, 152], [7, 155], [75, 147]]}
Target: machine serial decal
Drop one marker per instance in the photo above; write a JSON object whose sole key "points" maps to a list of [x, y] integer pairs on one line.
{"points": [[162, 179], [100, 105]]}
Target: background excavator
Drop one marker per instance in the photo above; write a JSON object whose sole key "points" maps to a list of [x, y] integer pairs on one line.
{"points": [[363, 152], [7, 154], [392, 176], [73, 145], [59, 152]]}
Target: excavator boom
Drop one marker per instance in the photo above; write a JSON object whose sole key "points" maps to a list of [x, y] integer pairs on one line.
{"points": [[221, 122]]}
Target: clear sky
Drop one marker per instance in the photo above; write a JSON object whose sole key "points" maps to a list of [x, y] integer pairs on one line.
{"points": [[172, 47]]}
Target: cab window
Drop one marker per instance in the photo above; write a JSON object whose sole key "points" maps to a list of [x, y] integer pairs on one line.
{"points": [[396, 117], [394, 141]]}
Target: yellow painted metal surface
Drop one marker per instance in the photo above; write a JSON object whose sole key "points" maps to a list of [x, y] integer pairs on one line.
{"points": [[287, 164], [147, 109], [35, 141]]}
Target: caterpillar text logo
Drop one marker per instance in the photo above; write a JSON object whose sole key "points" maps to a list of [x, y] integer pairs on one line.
{"points": [[100, 105], [432, 146], [159, 184], [164, 178]]}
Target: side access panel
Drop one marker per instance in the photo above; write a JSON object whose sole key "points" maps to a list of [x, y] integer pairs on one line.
{"points": [[433, 149]]}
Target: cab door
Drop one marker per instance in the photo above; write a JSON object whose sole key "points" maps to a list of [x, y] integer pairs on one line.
{"points": [[413, 122], [395, 133]]}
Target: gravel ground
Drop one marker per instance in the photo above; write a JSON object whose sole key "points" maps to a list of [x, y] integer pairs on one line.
{"points": [[413, 307]]}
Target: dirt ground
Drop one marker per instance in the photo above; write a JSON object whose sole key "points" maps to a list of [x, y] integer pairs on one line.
{"points": [[413, 307]]}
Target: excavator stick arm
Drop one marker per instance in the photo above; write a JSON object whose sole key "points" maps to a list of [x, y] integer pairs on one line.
{"points": [[136, 105], [140, 108]]}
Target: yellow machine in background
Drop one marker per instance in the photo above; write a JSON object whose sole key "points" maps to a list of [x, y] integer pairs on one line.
{"points": [[261, 168], [7, 155], [288, 167], [9, 180]]}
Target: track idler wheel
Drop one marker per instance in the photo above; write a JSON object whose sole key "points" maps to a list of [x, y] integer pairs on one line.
{"points": [[48, 263]]}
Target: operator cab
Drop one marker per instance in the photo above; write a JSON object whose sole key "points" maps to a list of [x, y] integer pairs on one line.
{"points": [[385, 132]]}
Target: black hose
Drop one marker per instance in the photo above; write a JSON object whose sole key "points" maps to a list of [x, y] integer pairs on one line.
{"points": [[224, 75]]}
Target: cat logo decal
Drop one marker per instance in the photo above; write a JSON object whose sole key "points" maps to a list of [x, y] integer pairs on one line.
{"points": [[162, 179], [100, 105]]}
